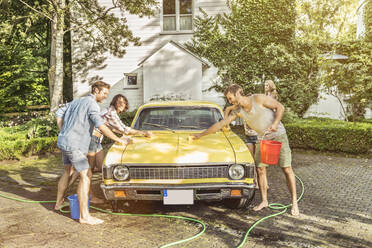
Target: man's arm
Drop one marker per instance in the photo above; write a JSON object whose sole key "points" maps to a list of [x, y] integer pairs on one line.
{"points": [[59, 123], [108, 133], [273, 104], [94, 116], [215, 127], [133, 132], [60, 113], [229, 109]]}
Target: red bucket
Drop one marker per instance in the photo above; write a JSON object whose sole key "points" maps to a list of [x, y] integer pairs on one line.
{"points": [[270, 151]]}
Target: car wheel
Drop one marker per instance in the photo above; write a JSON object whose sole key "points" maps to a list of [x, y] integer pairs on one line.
{"points": [[235, 203]]}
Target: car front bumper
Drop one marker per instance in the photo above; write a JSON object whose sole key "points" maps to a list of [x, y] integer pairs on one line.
{"points": [[155, 192]]}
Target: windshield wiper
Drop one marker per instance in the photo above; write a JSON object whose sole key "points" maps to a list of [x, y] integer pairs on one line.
{"points": [[191, 127], [158, 125]]}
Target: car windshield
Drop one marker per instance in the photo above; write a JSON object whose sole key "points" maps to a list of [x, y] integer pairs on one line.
{"points": [[177, 118]]}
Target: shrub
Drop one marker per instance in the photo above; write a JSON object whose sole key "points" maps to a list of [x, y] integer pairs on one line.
{"points": [[289, 116], [127, 117], [15, 119], [324, 134], [366, 120], [35, 137], [44, 126], [13, 149], [330, 135]]}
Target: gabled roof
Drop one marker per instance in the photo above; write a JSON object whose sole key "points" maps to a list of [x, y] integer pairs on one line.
{"points": [[176, 44]]}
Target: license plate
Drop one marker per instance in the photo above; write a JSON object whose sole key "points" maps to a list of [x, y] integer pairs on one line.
{"points": [[178, 196]]}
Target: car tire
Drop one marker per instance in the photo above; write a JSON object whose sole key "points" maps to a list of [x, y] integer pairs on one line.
{"points": [[236, 203]]}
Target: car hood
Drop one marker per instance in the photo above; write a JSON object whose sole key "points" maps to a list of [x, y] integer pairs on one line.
{"points": [[169, 148]]}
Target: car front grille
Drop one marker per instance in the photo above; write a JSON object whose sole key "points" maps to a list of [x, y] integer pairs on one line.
{"points": [[178, 172]]}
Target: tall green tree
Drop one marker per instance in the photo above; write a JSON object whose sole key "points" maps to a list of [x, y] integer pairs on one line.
{"points": [[98, 26], [325, 21], [351, 78], [255, 41], [367, 19], [23, 57]]}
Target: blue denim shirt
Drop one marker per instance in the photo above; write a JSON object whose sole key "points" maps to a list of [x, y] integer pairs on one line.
{"points": [[79, 118]]}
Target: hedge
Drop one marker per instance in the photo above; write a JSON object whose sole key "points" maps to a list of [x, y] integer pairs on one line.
{"points": [[316, 133], [323, 134], [35, 137], [330, 135], [13, 149]]}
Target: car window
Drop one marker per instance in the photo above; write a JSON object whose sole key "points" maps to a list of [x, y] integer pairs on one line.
{"points": [[177, 118]]}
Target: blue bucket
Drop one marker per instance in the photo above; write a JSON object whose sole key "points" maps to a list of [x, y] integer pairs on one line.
{"points": [[74, 206]]}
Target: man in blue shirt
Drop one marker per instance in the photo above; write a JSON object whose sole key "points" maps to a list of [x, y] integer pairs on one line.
{"points": [[76, 121]]}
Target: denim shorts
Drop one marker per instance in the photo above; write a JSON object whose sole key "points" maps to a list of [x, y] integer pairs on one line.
{"points": [[250, 139], [95, 145], [75, 158]]}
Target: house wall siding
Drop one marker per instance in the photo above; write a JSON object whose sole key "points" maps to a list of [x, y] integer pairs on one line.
{"points": [[152, 38], [330, 107], [209, 77], [172, 73]]}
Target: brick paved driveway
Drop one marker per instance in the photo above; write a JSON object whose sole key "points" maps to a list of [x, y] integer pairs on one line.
{"points": [[336, 211], [336, 207]]}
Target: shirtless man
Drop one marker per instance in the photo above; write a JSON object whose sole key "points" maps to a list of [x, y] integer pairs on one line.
{"points": [[262, 114]]}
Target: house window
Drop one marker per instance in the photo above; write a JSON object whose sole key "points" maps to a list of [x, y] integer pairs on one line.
{"points": [[177, 15], [131, 79]]}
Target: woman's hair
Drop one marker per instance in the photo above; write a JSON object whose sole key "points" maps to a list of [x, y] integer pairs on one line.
{"points": [[272, 89], [114, 102]]}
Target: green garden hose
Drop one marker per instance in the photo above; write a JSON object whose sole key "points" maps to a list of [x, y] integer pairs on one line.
{"points": [[125, 214], [275, 206], [21, 200]]}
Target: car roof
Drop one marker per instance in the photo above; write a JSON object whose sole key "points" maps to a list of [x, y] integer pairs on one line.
{"points": [[180, 103]]}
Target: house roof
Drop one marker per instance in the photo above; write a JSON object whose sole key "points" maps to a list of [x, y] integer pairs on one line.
{"points": [[176, 44]]}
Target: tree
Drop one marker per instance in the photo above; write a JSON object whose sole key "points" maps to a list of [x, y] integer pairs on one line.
{"points": [[256, 41], [325, 21], [101, 28], [367, 19], [23, 57], [324, 24], [353, 77]]}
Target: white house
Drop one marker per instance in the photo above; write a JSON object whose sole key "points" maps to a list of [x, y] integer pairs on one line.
{"points": [[162, 67]]}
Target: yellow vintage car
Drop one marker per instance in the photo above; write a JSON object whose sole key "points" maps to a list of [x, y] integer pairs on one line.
{"points": [[174, 169]]}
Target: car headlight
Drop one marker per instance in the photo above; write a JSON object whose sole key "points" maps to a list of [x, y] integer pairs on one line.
{"points": [[121, 172], [236, 171]]}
